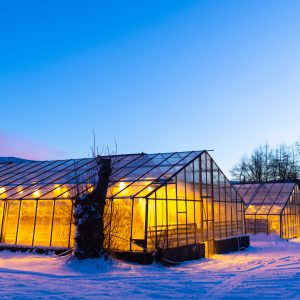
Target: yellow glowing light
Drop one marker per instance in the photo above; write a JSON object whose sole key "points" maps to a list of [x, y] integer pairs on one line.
{"points": [[91, 189], [122, 185], [2, 190], [36, 193], [57, 187], [65, 195], [149, 188], [21, 192]]}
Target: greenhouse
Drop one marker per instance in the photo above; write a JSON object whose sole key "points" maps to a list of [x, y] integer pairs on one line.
{"points": [[272, 208], [154, 201]]}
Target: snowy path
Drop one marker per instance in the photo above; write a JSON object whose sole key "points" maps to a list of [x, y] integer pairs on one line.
{"points": [[266, 270]]}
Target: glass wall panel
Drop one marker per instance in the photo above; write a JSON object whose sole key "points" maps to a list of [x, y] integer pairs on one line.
{"points": [[261, 224], [192, 226], [171, 191], [189, 182], [43, 224], [120, 224], [2, 203], [290, 216], [10, 223], [138, 224], [221, 224], [172, 223], [274, 224], [161, 223], [161, 193], [181, 185], [234, 226], [198, 221], [152, 228], [229, 217], [182, 222], [26, 222], [197, 187], [107, 224], [61, 223]]}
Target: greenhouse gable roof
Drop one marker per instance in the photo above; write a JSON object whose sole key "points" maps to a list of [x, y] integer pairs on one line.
{"points": [[265, 198], [40, 179]]}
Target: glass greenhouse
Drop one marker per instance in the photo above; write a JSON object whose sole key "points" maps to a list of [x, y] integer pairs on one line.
{"points": [[272, 208], [154, 201]]}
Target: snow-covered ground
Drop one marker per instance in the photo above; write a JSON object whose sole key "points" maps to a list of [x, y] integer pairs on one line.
{"points": [[269, 269]]}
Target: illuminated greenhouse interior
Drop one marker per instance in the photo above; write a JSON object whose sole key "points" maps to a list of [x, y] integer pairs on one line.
{"points": [[271, 208], [161, 200]]}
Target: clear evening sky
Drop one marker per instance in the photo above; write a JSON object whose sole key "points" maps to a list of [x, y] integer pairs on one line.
{"points": [[157, 76]]}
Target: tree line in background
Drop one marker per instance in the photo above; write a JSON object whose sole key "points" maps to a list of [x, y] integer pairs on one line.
{"points": [[267, 164]]}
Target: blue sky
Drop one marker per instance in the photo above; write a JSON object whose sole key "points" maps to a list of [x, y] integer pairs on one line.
{"points": [[157, 76]]}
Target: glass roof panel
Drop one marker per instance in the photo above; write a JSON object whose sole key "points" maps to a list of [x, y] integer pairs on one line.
{"points": [[242, 189], [282, 198], [247, 198], [271, 197], [14, 174], [263, 209], [276, 209], [266, 197], [22, 180], [288, 187], [252, 209]]}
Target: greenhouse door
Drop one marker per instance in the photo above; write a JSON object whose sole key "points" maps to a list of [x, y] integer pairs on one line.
{"points": [[208, 228]]}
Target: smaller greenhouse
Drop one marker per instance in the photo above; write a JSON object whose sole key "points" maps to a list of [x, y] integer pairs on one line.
{"points": [[271, 208]]}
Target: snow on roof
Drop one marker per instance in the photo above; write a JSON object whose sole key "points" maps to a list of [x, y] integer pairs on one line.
{"points": [[9, 160]]}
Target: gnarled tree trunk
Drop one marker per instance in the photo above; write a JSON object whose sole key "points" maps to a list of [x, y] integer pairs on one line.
{"points": [[88, 216]]}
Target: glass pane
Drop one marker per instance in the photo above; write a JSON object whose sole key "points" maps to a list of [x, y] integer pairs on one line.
{"points": [[1, 212], [161, 218], [172, 224], [171, 191], [191, 222], [161, 193], [151, 243], [120, 224], [252, 209], [180, 185], [11, 222], [276, 209], [43, 223], [274, 224], [138, 222], [61, 223], [26, 225], [263, 209], [198, 221]]}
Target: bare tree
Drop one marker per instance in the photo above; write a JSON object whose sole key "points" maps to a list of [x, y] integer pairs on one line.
{"points": [[92, 215], [266, 164], [89, 216]]}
